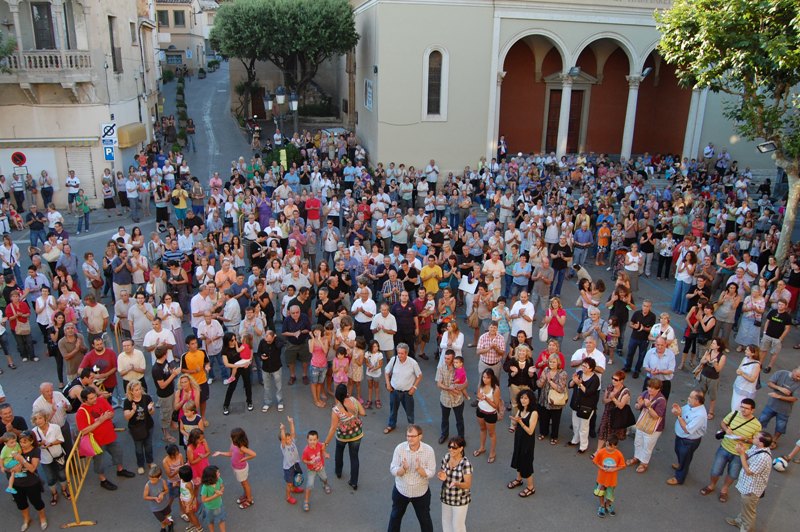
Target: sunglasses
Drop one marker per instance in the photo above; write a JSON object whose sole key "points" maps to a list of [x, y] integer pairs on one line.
{"points": [[453, 446]]}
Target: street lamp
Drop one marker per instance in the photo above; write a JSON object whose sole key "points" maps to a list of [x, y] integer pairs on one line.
{"points": [[267, 101], [293, 103], [280, 95]]}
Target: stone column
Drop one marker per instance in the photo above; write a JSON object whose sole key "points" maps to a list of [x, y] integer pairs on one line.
{"points": [[688, 137], [563, 115], [58, 18], [630, 116], [13, 6]]}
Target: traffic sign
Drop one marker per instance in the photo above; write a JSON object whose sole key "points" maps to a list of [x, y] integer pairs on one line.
{"points": [[108, 134], [108, 152], [18, 158]]}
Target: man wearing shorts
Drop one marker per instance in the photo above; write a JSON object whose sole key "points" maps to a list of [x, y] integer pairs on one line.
{"points": [[738, 426], [779, 321], [180, 206], [784, 389], [196, 364], [296, 330]]}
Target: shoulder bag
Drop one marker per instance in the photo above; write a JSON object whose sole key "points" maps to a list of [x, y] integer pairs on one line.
{"points": [[88, 446], [622, 418], [556, 398], [23, 328], [647, 422]]}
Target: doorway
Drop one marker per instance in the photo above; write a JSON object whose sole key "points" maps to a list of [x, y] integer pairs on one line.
{"points": [[574, 123]]}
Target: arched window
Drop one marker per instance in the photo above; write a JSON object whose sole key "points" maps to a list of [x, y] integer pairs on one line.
{"points": [[434, 84]]}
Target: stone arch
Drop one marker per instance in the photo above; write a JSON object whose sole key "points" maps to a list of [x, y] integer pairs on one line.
{"points": [[623, 42]]}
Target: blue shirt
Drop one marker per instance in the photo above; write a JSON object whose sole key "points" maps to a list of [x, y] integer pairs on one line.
{"points": [[583, 236], [472, 223], [696, 422], [349, 173], [518, 268]]}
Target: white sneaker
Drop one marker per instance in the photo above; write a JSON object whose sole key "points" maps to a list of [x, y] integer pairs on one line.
{"points": [[280, 408], [265, 409], [140, 471], [210, 381]]}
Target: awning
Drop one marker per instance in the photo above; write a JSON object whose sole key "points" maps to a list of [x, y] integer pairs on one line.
{"points": [[131, 134], [73, 142]]}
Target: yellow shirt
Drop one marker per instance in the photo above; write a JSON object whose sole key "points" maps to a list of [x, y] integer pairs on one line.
{"points": [[432, 274], [742, 428], [182, 195]]}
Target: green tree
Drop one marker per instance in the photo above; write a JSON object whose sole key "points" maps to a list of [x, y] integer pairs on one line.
{"points": [[295, 35], [7, 47], [750, 51]]}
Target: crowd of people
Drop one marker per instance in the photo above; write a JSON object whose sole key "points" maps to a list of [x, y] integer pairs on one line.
{"points": [[343, 273]]}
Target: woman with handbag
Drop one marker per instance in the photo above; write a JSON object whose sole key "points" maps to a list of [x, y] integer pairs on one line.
{"points": [[747, 376], [586, 385], [708, 371], [553, 396], [617, 416], [28, 484], [346, 425], [650, 425], [138, 409], [53, 457], [19, 320]]}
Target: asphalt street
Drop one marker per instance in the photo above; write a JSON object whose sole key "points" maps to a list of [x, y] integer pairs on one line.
{"points": [[564, 480]]}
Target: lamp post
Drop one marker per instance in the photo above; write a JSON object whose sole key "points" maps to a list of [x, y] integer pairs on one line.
{"points": [[293, 103], [280, 99]]}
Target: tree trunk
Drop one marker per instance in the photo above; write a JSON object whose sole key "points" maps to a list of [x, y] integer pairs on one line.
{"points": [[789, 216]]}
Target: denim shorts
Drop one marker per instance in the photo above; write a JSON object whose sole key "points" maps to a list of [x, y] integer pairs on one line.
{"points": [[317, 375], [723, 459], [781, 420], [215, 517]]}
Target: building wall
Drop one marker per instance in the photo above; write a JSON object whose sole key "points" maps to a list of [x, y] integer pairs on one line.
{"points": [[660, 128], [607, 107]]}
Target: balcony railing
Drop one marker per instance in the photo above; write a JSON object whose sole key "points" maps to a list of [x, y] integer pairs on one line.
{"points": [[44, 61]]}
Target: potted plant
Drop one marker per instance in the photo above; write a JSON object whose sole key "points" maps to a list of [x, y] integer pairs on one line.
{"points": [[167, 76], [201, 73], [176, 148], [182, 137]]}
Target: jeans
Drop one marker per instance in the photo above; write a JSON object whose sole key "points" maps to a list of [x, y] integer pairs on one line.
{"points": [[144, 450], [648, 263], [190, 142], [422, 507], [633, 345], [780, 419], [684, 450], [579, 255], [38, 235], [25, 346], [555, 288], [134, 202], [396, 398], [445, 426], [272, 380], [83, 220], [216, 362], [352, 450]]}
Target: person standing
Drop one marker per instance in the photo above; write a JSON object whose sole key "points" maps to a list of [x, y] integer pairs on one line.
{"points": [[641, 323], [451, 396], [269, 350], [756, 467], [95, 417], [413, 465], [560, 254], [346, 425], [456, 477], [690, 426], [784, 391], [403, 375]]}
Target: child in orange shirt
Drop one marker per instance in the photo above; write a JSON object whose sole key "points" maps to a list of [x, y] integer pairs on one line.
{"points": [[603, 241], [609, 461]]}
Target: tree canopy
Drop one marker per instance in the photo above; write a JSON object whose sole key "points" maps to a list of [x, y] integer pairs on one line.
{"points": [[296, 35], [7, 47], [750, 50]]}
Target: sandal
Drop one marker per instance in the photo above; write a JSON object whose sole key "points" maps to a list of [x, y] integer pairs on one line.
{"points": [[514, 483], [12, 366], [244, 505], [527, 492], [710, 416], [327, 489], [378, 404], [477, 452], [368, 404], [642, 468], [723, 496], [540, 437], [387, 430], [554, 441], [512, 429], [706, 491], [65, 493], [306, 507], [491, 459], [631, 461], [54, 499]]}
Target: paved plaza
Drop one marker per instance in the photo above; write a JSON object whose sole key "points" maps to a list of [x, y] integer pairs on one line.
{"points": [[564, 480]]}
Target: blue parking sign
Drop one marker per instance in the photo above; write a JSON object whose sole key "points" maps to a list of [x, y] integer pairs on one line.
{"points": [[108, 151]]}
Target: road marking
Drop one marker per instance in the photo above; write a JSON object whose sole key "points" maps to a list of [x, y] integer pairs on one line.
{"points": [[209, 129], [222, 90]]}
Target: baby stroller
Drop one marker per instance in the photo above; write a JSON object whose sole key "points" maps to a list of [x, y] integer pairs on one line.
{"points": [[618, 261]]}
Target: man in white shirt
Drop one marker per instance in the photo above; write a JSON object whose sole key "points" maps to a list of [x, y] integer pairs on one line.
{"points": [[432, 174], [210, 332], [750, 268], [659, 364], [231, 311], [54, 406], [522, 314], [132, 190], [200, 303], [413, 466], [251, 228], [73, 186], [131, 365], [403, 375], [590, 351], [384, 327], [159, 336], [363, 310]]}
